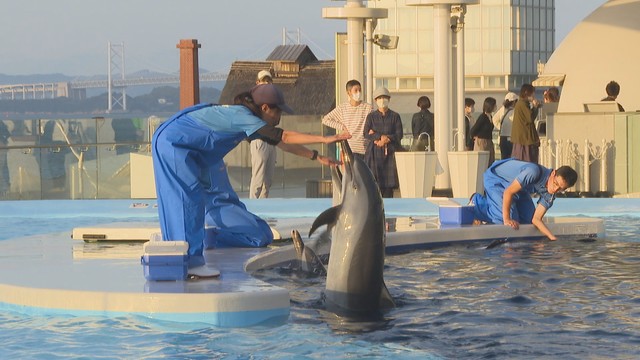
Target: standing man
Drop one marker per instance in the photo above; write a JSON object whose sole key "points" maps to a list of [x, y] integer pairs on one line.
{"points": [[350, 116], [263, 156], [509, 184]]}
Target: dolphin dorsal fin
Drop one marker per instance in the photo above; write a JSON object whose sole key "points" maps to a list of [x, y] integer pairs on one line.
{"points": [[328, 217]]}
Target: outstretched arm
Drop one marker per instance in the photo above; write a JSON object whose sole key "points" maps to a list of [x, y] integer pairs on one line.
{"points": [[539, 224], [303, 151], [294, 137]]}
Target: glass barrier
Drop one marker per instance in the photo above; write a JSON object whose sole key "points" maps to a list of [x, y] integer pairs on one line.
{"points": [[110, 158]]}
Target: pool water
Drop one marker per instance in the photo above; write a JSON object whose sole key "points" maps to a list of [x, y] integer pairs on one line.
{"points": [[570, 299]]}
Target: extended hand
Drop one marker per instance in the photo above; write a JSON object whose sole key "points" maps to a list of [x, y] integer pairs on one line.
{"points": [[324, 160], [512, 223], [339, 137]]}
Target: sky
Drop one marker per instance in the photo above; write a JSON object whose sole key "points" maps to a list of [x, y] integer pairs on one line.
{"points": [[71, 36]]}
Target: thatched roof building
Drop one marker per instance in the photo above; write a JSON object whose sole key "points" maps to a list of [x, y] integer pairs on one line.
{"points": [[308, 83]]}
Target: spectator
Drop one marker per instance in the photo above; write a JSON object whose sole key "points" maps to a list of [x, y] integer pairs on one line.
{"points": [[551, 95], [421, 124], [482, 130], [524, 136], [503, 120], [613, 90], [350, 116], [383, 129], [263, 156], [5, 181], [469, 109]]}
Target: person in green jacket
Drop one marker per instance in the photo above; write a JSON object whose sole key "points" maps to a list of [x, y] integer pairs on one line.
{"points": [[524, 136]]}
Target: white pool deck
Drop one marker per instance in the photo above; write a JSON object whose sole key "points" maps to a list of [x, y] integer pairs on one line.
{"points": [[57, 274]]}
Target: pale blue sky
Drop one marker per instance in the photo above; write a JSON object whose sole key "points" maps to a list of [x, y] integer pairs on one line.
{"points": [[70, 36]]}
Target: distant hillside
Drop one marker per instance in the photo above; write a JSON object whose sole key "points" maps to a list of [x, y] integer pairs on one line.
{"points": [[33, 78], [159, 99], [131, 91]]}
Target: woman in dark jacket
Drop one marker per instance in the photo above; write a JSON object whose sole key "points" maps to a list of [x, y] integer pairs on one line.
{"points": [[383, 129], [421, 124], [482, 130]]}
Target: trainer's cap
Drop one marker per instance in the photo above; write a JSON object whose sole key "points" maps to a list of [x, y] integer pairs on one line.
{"points": [[271, 95]]}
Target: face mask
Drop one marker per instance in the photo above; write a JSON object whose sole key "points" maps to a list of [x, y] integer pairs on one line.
{"points": [[382, 102], [355, 96]]}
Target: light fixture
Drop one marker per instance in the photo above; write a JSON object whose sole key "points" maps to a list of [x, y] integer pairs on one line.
{"points": [[385, 41]]}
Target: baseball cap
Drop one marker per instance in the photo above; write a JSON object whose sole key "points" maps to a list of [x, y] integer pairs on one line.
{"points": [[381, 91], [264, 73], [511, 96], [271, 95]]}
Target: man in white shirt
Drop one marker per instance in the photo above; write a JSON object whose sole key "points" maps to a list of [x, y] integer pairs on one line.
{"points": [[350, 116]]}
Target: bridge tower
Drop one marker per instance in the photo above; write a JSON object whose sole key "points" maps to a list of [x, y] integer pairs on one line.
{"points": [[116, 71]]}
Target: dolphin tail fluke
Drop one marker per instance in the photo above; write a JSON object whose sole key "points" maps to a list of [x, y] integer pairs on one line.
{"points": [[327, 217], [386, 301]]}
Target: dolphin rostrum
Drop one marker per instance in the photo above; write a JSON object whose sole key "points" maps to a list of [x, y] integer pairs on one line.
{"points": [[355, 281]]}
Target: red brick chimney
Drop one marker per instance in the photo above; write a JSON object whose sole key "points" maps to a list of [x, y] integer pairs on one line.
{"points": [[189, 73]]}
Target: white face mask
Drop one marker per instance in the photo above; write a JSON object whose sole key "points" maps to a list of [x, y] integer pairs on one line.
{"points": [[382, 102], [355, 96]]}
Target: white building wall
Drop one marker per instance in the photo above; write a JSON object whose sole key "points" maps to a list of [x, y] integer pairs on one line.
{"points": [[504, 40]]}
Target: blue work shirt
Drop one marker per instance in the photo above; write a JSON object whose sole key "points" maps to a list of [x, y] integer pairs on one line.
{"points": [[532, 177], [228, 118]]}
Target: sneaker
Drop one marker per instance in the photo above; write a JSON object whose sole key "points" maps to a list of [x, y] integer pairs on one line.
{"points": [[471, 199], [202, 271]]}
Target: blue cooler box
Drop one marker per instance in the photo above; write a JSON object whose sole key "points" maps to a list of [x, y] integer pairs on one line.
{"points": [[165, 260], [456, 215]]}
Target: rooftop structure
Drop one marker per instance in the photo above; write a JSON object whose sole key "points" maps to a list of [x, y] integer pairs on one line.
{"points": [[307, 83], [599, 49]]}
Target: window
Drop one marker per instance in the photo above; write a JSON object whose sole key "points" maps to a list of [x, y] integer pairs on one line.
{"points": [[408, 83]]}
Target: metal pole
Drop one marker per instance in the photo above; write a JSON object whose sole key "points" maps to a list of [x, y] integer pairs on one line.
{"points": [[442, 95], [109, 80], [459, 103], [355, 43], [369, 78], [603, 167], [585, 170], [124, 89]]}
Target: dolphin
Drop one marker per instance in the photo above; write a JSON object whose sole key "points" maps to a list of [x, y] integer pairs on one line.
{"points": [[355, 281], [309, 261]]}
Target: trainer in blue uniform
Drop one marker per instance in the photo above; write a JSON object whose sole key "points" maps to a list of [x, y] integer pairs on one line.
{"points": [[191, 177], [508, 186]]}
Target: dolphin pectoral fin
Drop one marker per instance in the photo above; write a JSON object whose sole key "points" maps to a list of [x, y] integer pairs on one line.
{"points": [[386, 301], [327, 217], [298, 245], [310, 262]]}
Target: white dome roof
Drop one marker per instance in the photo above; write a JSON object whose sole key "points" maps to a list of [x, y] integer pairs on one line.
{"points": [[605, 46]]}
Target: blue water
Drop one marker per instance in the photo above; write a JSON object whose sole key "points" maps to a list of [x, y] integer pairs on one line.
{"points": [[570, 299]]}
